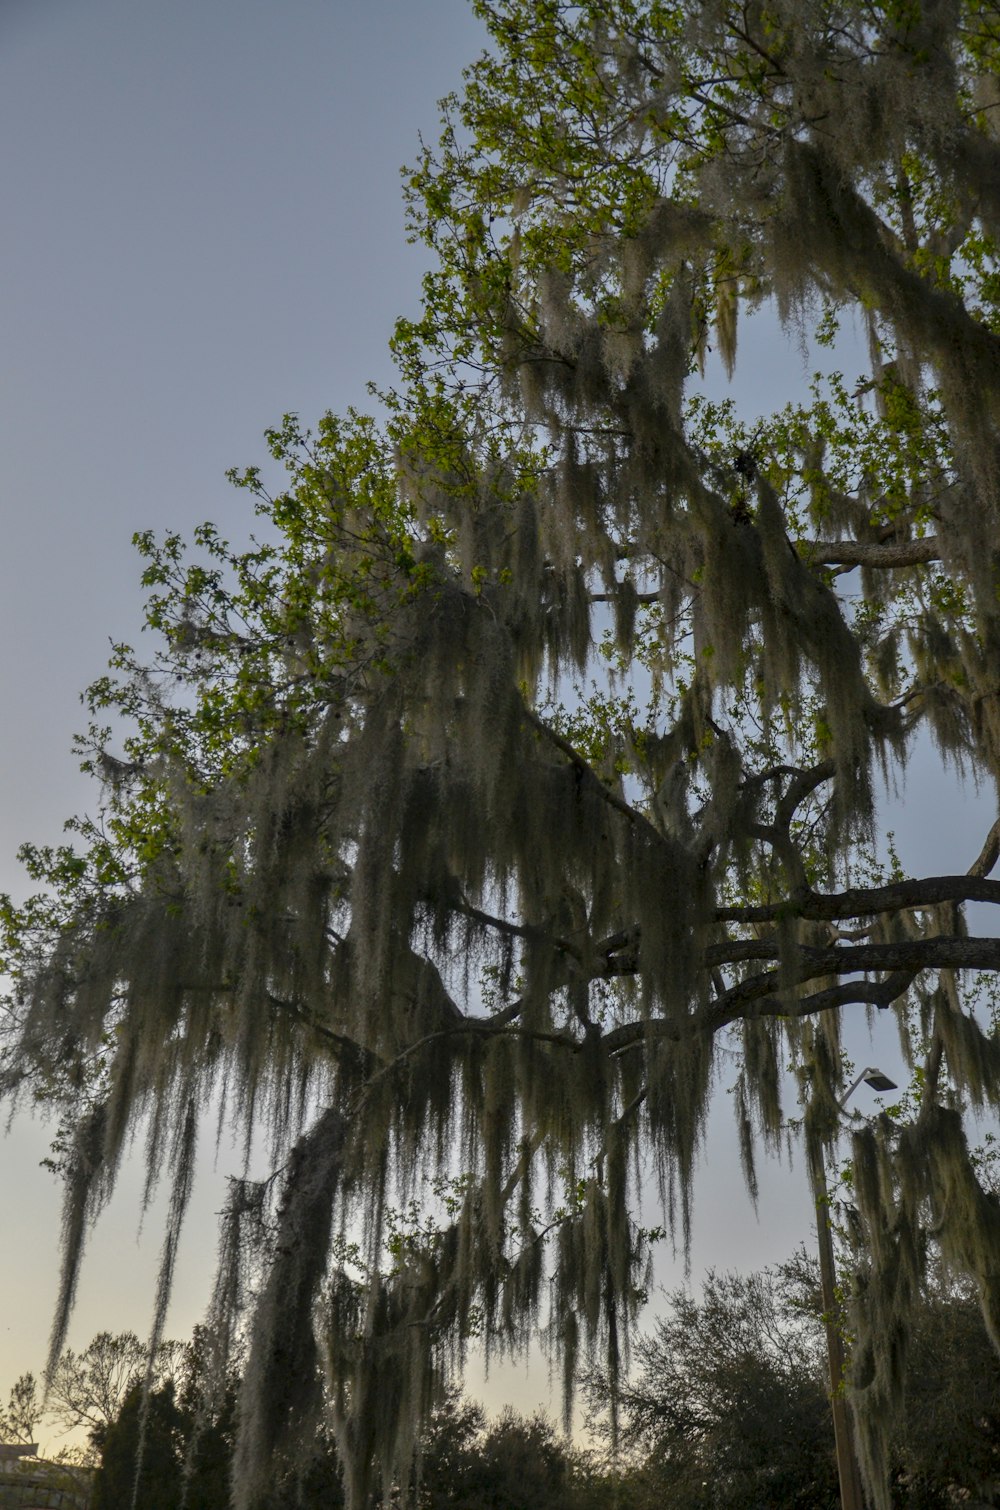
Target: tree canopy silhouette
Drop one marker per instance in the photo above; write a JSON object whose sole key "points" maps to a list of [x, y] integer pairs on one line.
{"points": [[364, 863], [726, 1406]]}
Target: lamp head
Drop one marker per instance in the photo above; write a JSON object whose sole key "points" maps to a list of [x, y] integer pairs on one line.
{"points": [[879, 1082]]}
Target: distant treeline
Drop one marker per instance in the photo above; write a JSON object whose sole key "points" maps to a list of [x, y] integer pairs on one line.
{"points": [[726, 1408]]}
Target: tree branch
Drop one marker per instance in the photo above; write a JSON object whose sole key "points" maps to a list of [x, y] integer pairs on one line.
{"points": [[762, 994], [909, 955], [860, 902], [587, 772], [870, 553]]}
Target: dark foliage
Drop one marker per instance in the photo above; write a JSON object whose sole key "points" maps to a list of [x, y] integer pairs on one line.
{"points": [[728, 1405], [161, 1473], [517, 1463]]}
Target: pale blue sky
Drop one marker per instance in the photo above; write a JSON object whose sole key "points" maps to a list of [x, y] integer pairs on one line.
{"points": [[202, 229]]}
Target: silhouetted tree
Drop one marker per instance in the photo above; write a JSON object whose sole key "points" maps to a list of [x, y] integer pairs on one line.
{"points": [[947, 1447], [515, 1463], [727, 1408], [24, 1411], [87, 1389], [160, 1424]]}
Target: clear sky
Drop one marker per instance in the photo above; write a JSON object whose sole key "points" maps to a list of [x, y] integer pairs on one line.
{"points": [[203, 228]]}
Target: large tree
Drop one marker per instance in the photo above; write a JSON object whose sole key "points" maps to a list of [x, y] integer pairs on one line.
{"points": [[726, 1405], [529, 760], [85, 1391]]}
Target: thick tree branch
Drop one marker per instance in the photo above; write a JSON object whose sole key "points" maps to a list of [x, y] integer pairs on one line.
{"points": [[764, 994], [913, 955], [892, 553], [874, 993], [860, 902], [352, 1055]]}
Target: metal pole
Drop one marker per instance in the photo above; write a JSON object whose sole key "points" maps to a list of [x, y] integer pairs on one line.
{"points": [[851, 1493]]}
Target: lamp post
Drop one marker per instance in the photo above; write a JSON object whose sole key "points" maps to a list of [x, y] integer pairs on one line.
{"points": [[851, 1493]]}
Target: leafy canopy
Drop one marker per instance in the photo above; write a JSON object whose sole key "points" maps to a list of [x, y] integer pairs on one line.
{"points": [[524, 769]]}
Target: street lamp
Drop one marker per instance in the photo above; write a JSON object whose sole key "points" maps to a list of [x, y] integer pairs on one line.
{"points": [[851, 1494]]}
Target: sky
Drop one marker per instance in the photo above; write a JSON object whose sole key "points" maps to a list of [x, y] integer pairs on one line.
{"points": [[203, 229]]}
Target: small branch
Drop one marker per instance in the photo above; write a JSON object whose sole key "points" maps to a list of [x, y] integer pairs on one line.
{"points": [[642, 598], [357, 1057], [483, 1026], [932, 1074], [503, 925], [587, 772], [801, 786], [989, 854]]}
